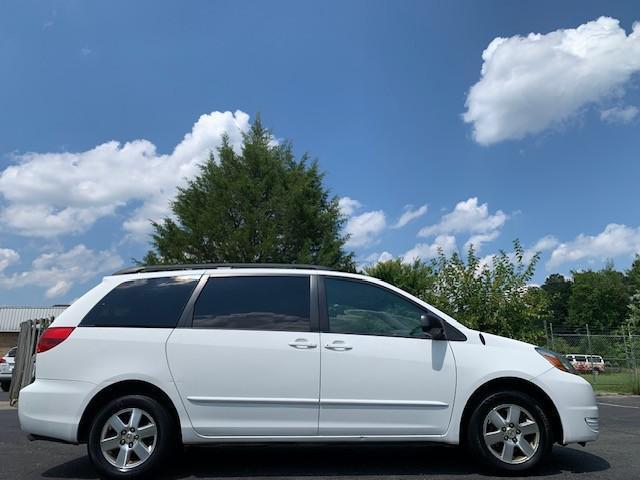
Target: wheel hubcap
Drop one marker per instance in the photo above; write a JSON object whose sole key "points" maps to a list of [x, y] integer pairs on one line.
{"points": [[128, 438], [511, 433]]}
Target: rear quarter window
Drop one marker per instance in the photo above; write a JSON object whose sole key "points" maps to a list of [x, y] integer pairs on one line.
{"points": [[145, 303]]}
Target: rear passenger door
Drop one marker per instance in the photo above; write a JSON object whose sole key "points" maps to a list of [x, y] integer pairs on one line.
{"points": [[247, 363]]}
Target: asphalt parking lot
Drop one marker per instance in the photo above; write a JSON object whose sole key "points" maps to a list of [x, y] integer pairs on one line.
{"points": [[615, 456]]}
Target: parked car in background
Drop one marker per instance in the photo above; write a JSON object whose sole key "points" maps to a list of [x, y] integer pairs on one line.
{"points": [[6, 369], [157, 357], [586, 363]]}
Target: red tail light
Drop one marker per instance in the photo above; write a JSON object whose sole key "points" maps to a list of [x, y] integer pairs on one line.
{"points": [[2, 360], [52, 337]]}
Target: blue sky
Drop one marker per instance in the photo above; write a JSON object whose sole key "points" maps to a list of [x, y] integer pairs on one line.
{"points": [[537, 140]]}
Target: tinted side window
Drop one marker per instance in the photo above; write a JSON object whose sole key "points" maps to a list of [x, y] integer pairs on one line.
{"points": [[149, 302], [365, 309], [254, 303]]}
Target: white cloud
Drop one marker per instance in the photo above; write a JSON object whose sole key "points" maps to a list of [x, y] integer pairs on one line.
{"points": [[547, 242], [468, 216], [348, 206], [60, 288], [363, 229], [445, 243], [619, 114], [478, 240], [59, 271], [385, 257], [613, 241], [7, 257], [50, 194], [410, 214], [531, 83], [375, 258]]}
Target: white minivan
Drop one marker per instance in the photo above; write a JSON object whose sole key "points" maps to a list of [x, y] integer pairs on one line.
{"points": [[154, 358]]}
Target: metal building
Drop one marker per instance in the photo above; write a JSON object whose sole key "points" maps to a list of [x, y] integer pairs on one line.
{"points": [[11, 317]]}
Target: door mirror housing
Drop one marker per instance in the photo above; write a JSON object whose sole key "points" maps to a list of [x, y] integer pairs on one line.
{"points": [[432, 326]]}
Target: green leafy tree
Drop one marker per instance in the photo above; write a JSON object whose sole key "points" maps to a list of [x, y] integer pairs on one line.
{"points": [[633, 275], [599, 299], [558, 291], [259, 205], [417, 278], [633, 318], [492, 296], [561, 345]]}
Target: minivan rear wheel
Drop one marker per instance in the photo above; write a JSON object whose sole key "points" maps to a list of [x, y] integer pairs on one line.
{"points": [[510, 432], [130, 437], [5, 386]]}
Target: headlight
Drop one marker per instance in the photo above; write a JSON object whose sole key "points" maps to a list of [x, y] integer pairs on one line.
{"points": [[555, 359]]}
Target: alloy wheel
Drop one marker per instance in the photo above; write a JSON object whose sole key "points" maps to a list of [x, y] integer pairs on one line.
{"points": [[511, 433], [128, 438]]}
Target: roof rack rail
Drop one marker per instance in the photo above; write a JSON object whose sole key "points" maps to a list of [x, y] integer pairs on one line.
{"points": [[209, 266]]}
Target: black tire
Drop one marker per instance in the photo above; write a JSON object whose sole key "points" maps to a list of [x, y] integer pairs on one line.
{"points": [[5, 386], [165, 439], [475, 440]]}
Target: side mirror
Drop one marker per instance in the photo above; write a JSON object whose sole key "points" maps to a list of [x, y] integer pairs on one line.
{"points": [[432, 326]]}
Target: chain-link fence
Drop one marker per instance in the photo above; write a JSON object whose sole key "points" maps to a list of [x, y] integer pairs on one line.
{"points": [[610, 361]]}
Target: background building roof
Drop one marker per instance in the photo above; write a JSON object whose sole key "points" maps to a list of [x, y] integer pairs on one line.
{"points": [[11, 317]]}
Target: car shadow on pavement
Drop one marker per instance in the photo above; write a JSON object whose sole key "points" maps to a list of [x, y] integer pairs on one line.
{"points": [[333, 460]]}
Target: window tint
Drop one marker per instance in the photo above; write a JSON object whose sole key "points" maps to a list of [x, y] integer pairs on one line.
{"points": [[149, 302], [365, 309], [580, 358], [12, 352], [254, 303]]}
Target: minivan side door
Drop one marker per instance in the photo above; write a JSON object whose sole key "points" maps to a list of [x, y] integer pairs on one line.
{"points": [[380, 376], [249, 362]]}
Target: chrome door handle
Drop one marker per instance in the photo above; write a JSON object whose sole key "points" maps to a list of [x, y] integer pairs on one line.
{"points": [[338, 346], [302, 343]]}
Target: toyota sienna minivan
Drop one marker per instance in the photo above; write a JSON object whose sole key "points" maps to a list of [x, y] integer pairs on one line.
{"points": [[154, 358]]}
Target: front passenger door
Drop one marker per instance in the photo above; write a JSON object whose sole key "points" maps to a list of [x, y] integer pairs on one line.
{"points": [[380, 376]]}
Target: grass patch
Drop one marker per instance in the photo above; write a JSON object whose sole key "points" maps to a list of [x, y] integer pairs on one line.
{"points": [[617, 382]]}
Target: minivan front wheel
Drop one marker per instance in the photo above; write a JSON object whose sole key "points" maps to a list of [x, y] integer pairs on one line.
{"points": [[510, 432], [130, 436]]}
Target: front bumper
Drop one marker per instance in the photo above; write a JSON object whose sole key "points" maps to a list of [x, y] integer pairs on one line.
{"points": [[53, 408], [576, 404]]}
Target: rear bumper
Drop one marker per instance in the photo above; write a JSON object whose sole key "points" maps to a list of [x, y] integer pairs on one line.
{"points": [[5, 377], [576, 404], [53, 408]]}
